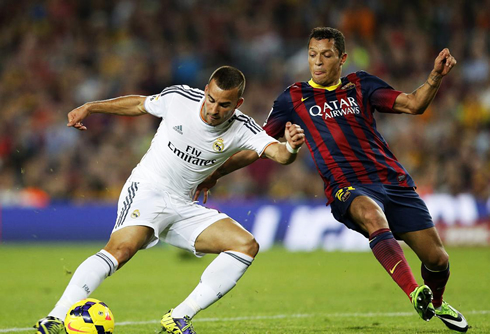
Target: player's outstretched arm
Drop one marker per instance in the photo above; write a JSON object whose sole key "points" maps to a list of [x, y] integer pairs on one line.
{"points": [[131, 105], [418, 101], [285, 153]]}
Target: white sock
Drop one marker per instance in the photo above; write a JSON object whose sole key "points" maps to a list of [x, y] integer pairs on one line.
{"points": [[88, 276], [219, 277]]}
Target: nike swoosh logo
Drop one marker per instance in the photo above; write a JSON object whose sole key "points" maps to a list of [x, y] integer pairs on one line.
{"points": [[303, 99], [393, 269], [74, 329], [459, 322]]}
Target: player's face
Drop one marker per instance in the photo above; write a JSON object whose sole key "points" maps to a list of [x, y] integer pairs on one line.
{"points": [[219, 104], [325, 62]]}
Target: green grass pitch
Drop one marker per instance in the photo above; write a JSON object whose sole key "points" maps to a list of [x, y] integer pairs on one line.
{"points": [[282, 292]]}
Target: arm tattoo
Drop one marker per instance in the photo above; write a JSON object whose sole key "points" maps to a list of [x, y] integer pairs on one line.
{"points": [[436, 79], [433, 86]]}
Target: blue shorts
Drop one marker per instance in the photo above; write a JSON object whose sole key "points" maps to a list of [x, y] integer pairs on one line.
{"points": [[403, 207]]}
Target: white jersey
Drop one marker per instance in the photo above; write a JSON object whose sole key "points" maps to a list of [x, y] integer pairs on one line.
{"points": [[185, 149]]}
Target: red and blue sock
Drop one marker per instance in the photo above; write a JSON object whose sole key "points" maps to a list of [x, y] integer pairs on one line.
{"points": [[389, 253], [436, 280]]}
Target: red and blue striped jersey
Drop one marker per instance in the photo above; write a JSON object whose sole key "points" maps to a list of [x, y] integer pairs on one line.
{"points": [[341, 131]]}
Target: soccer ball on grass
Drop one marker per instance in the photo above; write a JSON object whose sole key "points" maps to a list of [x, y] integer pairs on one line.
{"points": [[89, 316]]}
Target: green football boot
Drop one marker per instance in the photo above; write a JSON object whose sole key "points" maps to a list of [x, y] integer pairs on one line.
{"points": [[422, 302], [50, 325], [176, 325], [452, 318]]}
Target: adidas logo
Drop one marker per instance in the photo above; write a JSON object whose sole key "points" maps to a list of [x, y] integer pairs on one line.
{"points": [[178, 128]]}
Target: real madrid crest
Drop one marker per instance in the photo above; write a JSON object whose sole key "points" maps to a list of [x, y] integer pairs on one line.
{"points": [[218, 145], [135, 214]]}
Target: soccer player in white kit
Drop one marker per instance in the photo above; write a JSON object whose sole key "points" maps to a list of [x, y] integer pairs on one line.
{"points": [[199, 131]]}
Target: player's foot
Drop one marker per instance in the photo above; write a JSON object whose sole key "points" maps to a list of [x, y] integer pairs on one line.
{"points": [[452, 318], [50, 325], [176, 325], [422, 302]]}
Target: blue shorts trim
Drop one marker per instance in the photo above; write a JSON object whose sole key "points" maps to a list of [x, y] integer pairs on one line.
{"points": [[402, 206]]}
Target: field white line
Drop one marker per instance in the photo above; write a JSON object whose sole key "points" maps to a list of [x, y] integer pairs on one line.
{"points": [[267, 317]]}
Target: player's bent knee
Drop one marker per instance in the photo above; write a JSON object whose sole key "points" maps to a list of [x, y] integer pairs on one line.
{"points": [[367, 214], [438, 261], [253, 248], [122, 252], [246, 245], [125, 242], [372, 220]]}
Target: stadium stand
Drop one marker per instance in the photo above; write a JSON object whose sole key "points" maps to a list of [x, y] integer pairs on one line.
{"points": [[59, 54]]}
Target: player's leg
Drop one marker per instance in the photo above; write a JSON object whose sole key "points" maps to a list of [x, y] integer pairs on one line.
{"points": [[435, 261], [410, 220], [122, 245], [435, 271], [236, 249], [226, 235], [365, 212]]}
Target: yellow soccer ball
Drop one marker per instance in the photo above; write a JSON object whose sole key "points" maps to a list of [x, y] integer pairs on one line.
{"points": [[90, 316]]}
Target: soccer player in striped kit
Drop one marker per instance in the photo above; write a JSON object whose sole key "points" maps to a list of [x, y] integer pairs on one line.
{"points": [[368, 189], [199, 131]]}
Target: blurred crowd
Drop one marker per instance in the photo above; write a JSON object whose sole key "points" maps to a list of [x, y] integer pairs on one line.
{"points": [[58, 54]]}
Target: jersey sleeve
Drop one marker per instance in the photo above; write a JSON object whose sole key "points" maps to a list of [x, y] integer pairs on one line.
{"points": [[279, 115], [252, 136], [383, 100], [157, 104], [381, 95]]}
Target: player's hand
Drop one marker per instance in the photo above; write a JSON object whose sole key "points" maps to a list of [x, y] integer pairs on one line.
{"points": [[76, 116], [204, 187], [444, 62], [295, 135]]}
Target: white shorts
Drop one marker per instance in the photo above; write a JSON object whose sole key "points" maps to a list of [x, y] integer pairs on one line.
{"points": [[174, 220]]}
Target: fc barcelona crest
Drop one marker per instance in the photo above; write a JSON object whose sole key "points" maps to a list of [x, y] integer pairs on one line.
{"points": [[344, 193], [348, 85], [218, 145]]}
